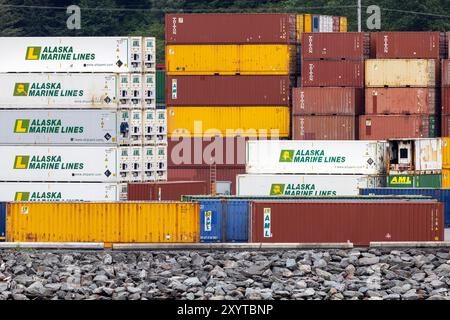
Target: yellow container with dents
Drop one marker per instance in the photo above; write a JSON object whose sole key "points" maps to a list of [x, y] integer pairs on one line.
{"points": [[343, 24], [300, 18], [246, 59], [307, 24], [108, 222], [228, 121]]}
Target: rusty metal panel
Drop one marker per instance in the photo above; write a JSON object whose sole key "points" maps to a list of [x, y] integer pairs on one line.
{"points": [[445, 73], [163, 191], [445, 100], [318, 127], [325, 73], [358, 222]]}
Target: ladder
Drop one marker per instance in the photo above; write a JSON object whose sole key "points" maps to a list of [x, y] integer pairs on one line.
{"points": [[213, 178]]}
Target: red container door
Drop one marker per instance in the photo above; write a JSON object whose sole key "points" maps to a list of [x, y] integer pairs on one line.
{"points": [[323, 73], [335, 127]]}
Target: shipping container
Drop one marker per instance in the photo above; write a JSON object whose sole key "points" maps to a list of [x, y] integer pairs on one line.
{"points": [[409, 45], [2, 221], [445, 72], [223, 220], [343, 24], [196, 173], [58, 163], [381, 127], [401, 101], [428, 154], [336, 24], [445, 178], [315, 23], [246, 59], [325, 73], [401, 73], [228, 90], [234, 28], [260, 121], [59, 192], [305, 185], [327, 101], [308, 23], [58, 127], [325, 23], [445, 141], [160, 87], [445, 101], [414, 181], [77, 54], [335, 45], [320, 127], [442, 195], [357, 222], [119, 222], [316, 157], [162, 191], [300, 19]]}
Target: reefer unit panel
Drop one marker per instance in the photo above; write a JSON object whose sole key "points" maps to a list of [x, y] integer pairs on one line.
{"points": [[326, 73], [321, 127]]}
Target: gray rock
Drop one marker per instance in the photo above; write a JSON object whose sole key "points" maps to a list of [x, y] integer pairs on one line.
{"points": [[443, 270], [134, 290], [291, 264], [100, 278], [439, 298], [258, 268], [420, 276], [366, 261], [36, 289], [394, 296], [19, 297], [301, 284], [321, 263], [437, 284], [3, 286], [197, 260], [304, 268], [192, 282], [307, 293], [107, 259], [323, 274]]}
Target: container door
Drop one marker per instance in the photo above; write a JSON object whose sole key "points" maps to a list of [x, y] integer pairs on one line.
{"points": [[315, 24], [210, 221], [236, 217], [2, 221], [308, 23]]}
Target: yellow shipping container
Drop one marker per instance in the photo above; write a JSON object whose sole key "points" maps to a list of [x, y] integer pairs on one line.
{"points": [[228, 121], [300, 27], [446, 178], [307, 25], [400, 73], [119, 222], [445, 152], [246, 59], [342, 24]]}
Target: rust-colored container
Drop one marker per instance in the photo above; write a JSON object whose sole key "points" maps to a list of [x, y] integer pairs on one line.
{"points": [[336, 23], [359, 222], [236, 28], [401, 101], [445, 101], [445, 126], [382, 127], [445, 73], [167, 190], [223, 173], [334, 127], [335, 45], [410, 45], [324, 73], [227, 90], [327, 101]]}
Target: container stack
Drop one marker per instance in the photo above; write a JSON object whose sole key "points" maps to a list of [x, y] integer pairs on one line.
{"points": [[402, 86], [445, 101], [330, 99], [71, 115]]}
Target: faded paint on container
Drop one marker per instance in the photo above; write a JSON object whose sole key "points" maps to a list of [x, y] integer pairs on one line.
{"points": [[382, 127], [428, 154], [246, 59], [161, 87], [327, 101], [325, 73], [414, 181], [445, 152], [2, 221], [245, 121], [228, 90], [445, 72], [58, 163], [220, 28], [445, 101], [401, 101], [401, 73], [335, 45], [410, 45], [224, 220], [320, 127], [316, 157], [305, 185], [162, 191], [120, 222], [358, 222], [58, 127], [442, 195]]}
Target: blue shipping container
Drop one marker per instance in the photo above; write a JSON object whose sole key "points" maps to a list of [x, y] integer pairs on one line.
{"points": [[442, 195], [315, 26], [2, 221], [223, 220]]}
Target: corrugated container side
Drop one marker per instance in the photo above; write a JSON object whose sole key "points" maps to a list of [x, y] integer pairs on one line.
{"points": [[445, 72], [324, 73], [211, 221], [445, 151], [382, 127], [343, 24], [445, 125], [121, 222], [446, 184], [163, 191], [228, 121], [335, 24], [2, 221], [160, 87], [358, 222], [445, 100], [401, 101], [415, 181], [428, 154], [327, 101], [228, 90], [318, 127], [300, 27], [442, 195], [308, 23]]}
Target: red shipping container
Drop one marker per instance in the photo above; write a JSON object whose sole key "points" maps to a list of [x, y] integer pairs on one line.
{"points": [[445, 100], [325, 73], [445, 126], [410, 45], [204, 174], [358, 222], [168, 190], [327, 101], [401, 101], [231, 28], [445, 73], [228, 90], [382, 127], [336, 127], [336, 24], [335, 45]]}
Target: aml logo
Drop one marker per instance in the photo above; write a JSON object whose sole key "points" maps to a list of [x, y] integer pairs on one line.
{"points": [[277, 189], [21, 126], [33, 53], [287, 155], [21, 89], [21, 162], [22, 196]]}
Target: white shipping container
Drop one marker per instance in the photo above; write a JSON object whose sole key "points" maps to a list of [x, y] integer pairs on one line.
{"points": [[325, 23], [58, 164], [305, 185], [58, 192], [316, 157], [76, 54], [428, 154], [58, 127]]}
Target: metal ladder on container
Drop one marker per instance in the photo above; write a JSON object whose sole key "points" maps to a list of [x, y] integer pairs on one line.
{"points": [[213, 178]]}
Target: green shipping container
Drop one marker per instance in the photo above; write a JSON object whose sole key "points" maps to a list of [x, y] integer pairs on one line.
{"points": [[160, 87], [415, 181]]}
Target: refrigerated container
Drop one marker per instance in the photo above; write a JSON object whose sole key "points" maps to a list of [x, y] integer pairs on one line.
{"points": [[328, 73], [324, 127]]}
